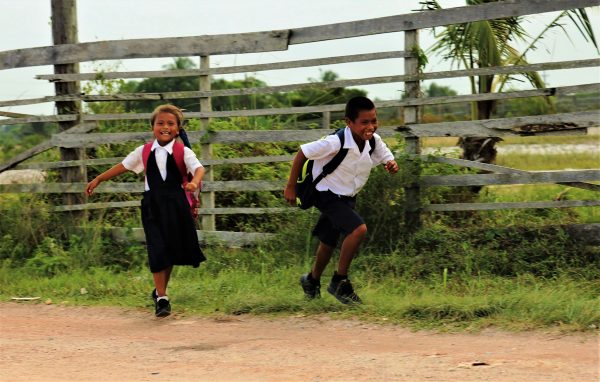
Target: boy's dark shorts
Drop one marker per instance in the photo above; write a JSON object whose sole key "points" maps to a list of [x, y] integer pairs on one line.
{"points": [[337, 217]]}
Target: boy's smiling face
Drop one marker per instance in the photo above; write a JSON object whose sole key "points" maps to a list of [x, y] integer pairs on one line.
{"points": [[165, 128], [364, 126]]}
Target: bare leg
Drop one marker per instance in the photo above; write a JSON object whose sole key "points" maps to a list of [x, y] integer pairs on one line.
{"points": [[161, 280], [350, 247], [322, 259]]}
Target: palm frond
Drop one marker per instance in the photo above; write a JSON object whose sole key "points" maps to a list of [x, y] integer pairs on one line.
{"points": [[583, 24]]}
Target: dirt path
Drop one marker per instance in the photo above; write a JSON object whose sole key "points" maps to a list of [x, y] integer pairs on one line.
{"points": [[54, 343]]}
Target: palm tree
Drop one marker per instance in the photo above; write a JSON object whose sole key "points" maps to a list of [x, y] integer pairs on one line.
{"points": [[487, 43]]}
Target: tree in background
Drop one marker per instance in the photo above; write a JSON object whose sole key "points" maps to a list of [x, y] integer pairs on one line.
{"points": [[487, 43], [314, 95]]}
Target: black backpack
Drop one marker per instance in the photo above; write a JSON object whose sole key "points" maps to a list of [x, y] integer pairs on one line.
{"points": [[306, 186]]}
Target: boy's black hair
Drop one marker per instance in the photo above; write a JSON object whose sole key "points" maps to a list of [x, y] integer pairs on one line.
{"points": [[356, 104]]}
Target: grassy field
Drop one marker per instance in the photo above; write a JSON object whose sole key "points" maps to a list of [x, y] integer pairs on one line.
{"points": [[454, 303]]}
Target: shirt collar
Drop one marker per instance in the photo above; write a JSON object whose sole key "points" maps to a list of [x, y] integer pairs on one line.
{"points": [[349, 141], [168, 146]]}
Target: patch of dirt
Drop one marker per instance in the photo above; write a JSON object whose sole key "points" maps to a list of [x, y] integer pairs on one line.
{"points": [[59, 343]]}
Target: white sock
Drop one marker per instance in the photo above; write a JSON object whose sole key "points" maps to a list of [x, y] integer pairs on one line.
{"points": [[162, 298]]}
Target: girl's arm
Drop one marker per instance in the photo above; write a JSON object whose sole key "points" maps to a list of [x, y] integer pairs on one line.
{"points": [[117, 169], [289, 193], [195, 182]]}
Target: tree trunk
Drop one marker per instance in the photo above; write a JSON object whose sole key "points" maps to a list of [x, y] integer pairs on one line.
{"points": [[481, 149]]}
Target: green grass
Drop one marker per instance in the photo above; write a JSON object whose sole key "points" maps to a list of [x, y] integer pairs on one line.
{"points": [[522, 303], [549, 162]]}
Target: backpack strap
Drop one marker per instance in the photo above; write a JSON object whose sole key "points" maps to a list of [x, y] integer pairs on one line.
{"points": [[178, 149], [177, 155], [372, 143], [336, 160], [339, 157], [146, 153]]}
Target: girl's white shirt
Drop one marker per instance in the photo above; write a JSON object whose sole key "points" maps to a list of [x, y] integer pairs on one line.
{"points": [[352, 174], [134, 161]]}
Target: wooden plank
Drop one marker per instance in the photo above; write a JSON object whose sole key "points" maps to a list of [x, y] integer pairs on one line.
{"points": [[509, 206], [138, 187], [499, 169], [97, 206], [44, 146], [514, 69], [340, 107], [253, 42], [233, 239], [531, 178], [431, 19], [41, 118], [412, 115], [13, 115], [573, 123], [202, 211], [111, 161], [207, 199], [274, 40], [40, 148], [224, 70], [26, 101]]}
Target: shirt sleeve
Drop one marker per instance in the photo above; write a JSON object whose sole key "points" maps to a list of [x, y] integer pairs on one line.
{"points": [[191, 161], [382, 153], [133, 161], [322, 148]]}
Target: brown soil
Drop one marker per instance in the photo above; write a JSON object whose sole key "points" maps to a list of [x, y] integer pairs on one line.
{"points": [[57, 343]]}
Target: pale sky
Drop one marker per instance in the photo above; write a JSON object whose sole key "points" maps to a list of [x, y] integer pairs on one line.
{"points": [[26, 23]]}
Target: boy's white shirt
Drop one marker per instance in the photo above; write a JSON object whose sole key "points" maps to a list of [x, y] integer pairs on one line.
{"points": [[352, 174], [134, 161]]}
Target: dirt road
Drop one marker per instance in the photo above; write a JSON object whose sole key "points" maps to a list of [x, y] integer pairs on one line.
{"points": [[55, 343]]}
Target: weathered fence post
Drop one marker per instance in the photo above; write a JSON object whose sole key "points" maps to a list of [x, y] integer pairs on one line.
{"points": [[206, 150], [412, 218], [64, 31], [326, 121]]}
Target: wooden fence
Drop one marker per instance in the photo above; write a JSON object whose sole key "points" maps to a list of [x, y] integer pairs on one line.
{"points": [[76, 127]]}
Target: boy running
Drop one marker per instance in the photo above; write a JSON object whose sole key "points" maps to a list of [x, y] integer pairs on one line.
{"points": [[336, 196]]}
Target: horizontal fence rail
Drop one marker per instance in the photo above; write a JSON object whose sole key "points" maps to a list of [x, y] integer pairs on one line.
{"points": [[223, 70], [275, 40], [234, 239], [513, 69], [530, 125], [278, 185], [510, 206]]}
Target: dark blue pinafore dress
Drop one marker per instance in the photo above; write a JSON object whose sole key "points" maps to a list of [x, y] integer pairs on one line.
{"points": [[168, 223]]}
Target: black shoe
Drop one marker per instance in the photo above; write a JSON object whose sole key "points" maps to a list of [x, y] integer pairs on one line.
{"points": [[312, 288], [163, 308], [343, 291], [154, 296]]}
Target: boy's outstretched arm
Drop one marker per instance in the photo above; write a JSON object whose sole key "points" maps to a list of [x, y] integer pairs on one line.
{"points": [[195, 182], [289, 193], [117, 169]]}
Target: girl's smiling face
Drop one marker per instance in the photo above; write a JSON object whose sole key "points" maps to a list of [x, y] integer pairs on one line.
{"points": [[165, 128]]}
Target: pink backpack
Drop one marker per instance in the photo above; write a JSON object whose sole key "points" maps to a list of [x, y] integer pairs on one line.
{"points": [[192, 197]]}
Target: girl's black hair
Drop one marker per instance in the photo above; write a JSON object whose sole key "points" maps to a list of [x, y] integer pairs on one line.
{"points": [[184, 137]]}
